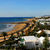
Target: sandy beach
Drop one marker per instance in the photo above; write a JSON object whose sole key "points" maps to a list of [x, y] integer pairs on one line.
{"points": [[20, 26], [17, 28]]}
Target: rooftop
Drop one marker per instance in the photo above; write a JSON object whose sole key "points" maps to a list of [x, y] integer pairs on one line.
{"points": [[47, 31]]}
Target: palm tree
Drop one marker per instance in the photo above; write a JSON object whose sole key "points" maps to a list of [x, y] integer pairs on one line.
{"points": [[33, 21], [32, 25], [12, 37], [27, 24], [18, 33], [29, 28], [38, 24], [23, 33], [4, 34], [46, 43]]}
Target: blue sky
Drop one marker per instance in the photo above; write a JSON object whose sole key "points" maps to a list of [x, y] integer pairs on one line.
{"points": [[9, 8]]}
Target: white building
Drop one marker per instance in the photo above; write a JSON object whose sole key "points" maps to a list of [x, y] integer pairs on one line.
{"points": [[39, 32], [32, 41], [47, 32], [44, 20]]}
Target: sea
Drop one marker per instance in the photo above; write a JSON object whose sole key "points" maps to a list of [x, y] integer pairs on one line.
{"points": [[13, 19], [9, 27]]}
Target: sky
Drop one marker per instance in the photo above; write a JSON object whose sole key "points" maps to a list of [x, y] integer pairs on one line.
{"points": [[24, 8]]}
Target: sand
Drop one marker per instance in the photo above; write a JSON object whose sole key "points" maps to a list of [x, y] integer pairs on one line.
{"points": [[19, 27]]}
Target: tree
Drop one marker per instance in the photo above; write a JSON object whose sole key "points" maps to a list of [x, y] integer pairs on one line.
{"points": [[4, 34], [21, 45], [33, 21], [36, 29], [42, 34], [12, 37], [27, 24], [38, 24], [46, 43], [32, 25], [23, 33]]}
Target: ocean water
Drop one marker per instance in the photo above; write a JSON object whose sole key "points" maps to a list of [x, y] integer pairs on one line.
{"points": [[9, 27], [12, 19], [6, 27]]}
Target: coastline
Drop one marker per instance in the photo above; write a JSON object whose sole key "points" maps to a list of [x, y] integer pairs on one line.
{"points": [[18, 28], [27, 20], [11, 21], [19, 25], [7, 27]]}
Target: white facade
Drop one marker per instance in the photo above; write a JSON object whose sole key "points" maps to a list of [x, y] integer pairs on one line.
{"points": [[39, 32], [32, 41], [47, 32], [43, 20]]}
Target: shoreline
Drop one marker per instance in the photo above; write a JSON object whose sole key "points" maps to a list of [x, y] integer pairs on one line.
{"points": [[18, 22], [19, 25], [14, 22], [9, 27], [18, 28]]}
